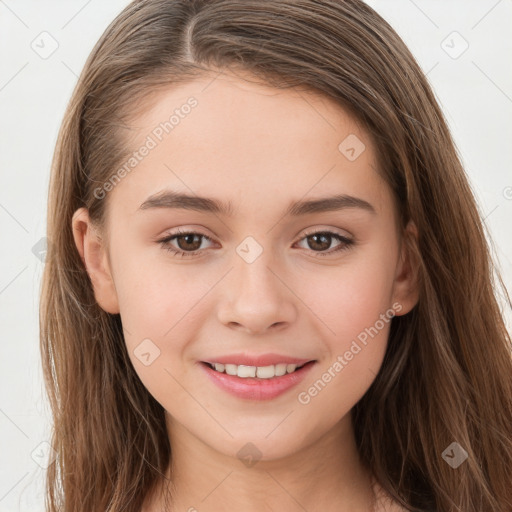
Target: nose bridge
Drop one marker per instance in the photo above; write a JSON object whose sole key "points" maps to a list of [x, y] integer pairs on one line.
{"points": [[255, 298], [254, 278]]}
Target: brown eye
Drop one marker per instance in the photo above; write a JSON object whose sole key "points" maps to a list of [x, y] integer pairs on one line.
{"points": [[320, 241], [183, 243], [189, 242]]}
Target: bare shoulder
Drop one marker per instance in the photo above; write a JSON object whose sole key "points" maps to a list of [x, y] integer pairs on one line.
{"points": [[395, 507], [385, 503]]}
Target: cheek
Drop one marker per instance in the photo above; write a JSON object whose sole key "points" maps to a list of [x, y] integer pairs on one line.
{"points": [[159, 306], [352, 303], [155, 293], [350, 297], [159, 311]]}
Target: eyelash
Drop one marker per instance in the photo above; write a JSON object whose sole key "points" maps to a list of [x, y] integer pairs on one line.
{"points": [[346, 243]]}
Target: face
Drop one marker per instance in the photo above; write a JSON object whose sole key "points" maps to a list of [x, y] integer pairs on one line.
{"points": [[270, 269]]}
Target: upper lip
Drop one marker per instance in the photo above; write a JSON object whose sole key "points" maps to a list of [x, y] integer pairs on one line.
{"points": [[257, 360]]}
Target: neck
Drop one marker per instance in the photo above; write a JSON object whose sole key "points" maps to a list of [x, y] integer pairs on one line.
{"points": [[326, 475]]}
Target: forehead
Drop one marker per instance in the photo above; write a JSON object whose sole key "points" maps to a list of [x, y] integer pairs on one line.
{"points": [[235, 138]]}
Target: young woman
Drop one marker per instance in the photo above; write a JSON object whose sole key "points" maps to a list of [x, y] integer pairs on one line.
{"points": [[269, 287]]}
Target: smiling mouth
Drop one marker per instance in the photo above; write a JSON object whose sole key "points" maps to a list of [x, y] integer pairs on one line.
{"points": [[259, 372]]}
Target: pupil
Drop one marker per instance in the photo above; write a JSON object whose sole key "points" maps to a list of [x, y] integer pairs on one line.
{"points": [[317, 236], [189, 239]]}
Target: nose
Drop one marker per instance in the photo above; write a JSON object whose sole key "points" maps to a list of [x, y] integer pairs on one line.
{"points": [[256, 298]]}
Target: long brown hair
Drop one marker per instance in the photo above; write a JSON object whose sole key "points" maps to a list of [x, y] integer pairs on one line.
{"points": [[447, 373]]}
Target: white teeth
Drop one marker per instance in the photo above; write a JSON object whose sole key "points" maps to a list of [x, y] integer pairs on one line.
{"points": [[246, 371], [231, 369], [262, 372], [265, 372], [280, 369], [290, 368]]}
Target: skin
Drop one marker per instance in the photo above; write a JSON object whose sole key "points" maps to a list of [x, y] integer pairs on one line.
{"points": [[259, 148]]}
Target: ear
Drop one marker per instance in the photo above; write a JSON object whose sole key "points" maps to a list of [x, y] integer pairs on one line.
{"points": [[406, 285], [93, 253]]}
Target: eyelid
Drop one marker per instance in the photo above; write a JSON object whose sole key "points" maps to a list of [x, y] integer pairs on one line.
{"points": [[315, 230], [183, 232]]}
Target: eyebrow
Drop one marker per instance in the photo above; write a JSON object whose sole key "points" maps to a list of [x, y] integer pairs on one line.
{"points": [[172, 199]]}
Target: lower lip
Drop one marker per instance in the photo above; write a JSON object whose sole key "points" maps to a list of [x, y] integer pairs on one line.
{"points": [[253, 388]]}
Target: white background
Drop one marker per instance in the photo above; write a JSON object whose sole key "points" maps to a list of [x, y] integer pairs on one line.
{"points": [[474, 90]]}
